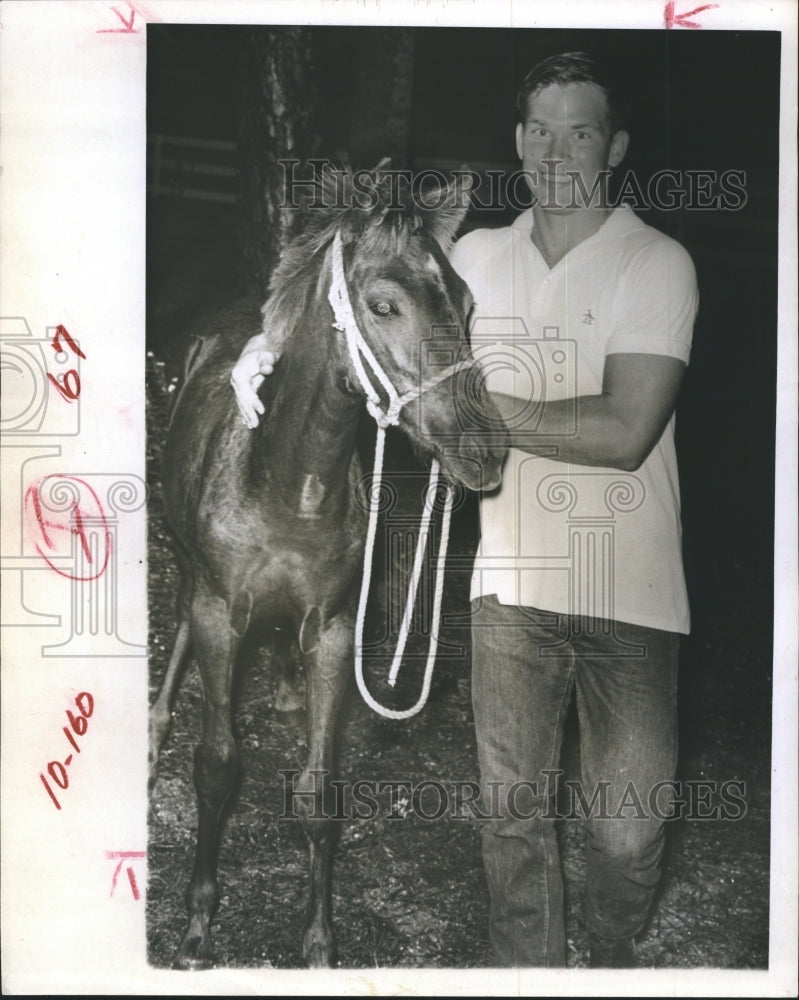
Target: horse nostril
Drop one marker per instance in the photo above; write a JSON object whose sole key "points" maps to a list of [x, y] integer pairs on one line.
{"points": [[486, 447], [481, 457]]}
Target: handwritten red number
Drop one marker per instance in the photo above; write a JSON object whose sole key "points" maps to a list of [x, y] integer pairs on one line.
{"points": [[67, 391], [85, 698], [49, 791], [58, 773], [70, 737], [61, 331], [67, 384], [57, 770], [78, 723]]}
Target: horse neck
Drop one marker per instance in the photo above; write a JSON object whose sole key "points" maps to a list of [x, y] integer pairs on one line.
{"points": [[305, 442]]}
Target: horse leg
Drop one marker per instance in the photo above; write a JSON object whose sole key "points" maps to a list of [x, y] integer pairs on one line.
{"points": [[327, 670], [161, 711], [216, 770]]}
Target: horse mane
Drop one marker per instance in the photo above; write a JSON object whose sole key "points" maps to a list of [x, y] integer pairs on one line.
{"points": [[377, 207]]}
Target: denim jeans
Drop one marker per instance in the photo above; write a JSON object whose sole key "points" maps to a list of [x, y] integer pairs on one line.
{"points": [[525, 665]]}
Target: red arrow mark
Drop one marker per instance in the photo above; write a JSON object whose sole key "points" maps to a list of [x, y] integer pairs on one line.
{"points": [[133, 886], [128, 29], [681, 20], [121, 857]]}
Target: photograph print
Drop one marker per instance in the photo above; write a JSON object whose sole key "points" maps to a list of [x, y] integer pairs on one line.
{"points": [[461, 388]]}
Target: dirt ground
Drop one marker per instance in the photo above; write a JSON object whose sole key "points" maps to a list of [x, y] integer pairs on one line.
{"points": [[409, 892]]}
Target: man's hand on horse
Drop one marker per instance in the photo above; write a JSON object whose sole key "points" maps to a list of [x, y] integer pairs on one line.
{"points": [[248, 373]]}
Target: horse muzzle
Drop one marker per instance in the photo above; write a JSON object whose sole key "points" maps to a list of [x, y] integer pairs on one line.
{"points": [[476, 462]]}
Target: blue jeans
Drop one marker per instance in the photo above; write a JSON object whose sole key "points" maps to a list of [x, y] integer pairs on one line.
{"points": [[525, 664]]}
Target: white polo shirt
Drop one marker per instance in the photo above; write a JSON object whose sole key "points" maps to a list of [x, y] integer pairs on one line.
{"points": [[559, 536]]}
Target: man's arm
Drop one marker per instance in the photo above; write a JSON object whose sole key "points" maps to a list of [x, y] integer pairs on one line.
{"points": [[255, 362], [617, 428]]}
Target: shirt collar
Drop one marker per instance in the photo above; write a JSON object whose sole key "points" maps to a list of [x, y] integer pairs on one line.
{"points": [[622, 220]]}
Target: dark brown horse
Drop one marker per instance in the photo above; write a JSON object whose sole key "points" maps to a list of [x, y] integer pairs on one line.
{"points": [[270, 523]]}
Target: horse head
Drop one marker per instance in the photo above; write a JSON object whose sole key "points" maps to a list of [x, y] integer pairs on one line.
{"points": [[385, 257]]}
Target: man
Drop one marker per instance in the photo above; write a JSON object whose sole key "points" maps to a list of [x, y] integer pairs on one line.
{"points": [[578, 584], [583, 320]]}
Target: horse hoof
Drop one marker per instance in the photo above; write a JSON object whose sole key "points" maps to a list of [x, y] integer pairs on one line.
{"points": [[193, 956], [319, 951], [184, 964]]}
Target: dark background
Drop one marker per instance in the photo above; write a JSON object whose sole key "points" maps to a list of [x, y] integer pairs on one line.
{"points": [[702, 101], [444, 97]]}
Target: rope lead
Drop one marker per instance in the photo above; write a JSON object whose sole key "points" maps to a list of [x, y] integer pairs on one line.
{"points": [[345, 320]]}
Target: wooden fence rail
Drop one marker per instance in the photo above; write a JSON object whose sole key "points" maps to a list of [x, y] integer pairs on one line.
{"points": [[184, 167]]}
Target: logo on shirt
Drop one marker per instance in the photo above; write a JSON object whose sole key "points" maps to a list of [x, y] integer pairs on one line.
{"points": [[588, 318]]}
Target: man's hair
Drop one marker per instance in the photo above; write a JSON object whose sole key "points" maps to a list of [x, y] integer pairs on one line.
{"points": [[575, 67]]}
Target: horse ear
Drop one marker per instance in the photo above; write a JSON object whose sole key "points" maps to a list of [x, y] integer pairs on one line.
{"points": [[446, 212]]}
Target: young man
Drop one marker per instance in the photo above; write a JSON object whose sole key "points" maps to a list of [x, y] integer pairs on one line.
{"points": [[583, 320]]}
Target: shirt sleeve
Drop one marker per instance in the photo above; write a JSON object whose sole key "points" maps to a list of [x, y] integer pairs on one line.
{"points": [[469, 257], [656, 302]]}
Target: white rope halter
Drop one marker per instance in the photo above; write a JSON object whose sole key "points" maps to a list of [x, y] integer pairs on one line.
{"points": [[358, 348]]}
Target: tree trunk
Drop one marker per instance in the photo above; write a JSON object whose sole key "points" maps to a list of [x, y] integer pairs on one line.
{"points": [[366, 81], [275, 124], [342, 93]]}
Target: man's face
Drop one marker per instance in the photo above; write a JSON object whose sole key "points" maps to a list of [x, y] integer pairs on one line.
{"points": [[568, 131]]}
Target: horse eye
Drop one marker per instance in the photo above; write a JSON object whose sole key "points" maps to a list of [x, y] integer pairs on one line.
{"points": [[383, 308]]}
